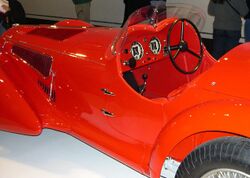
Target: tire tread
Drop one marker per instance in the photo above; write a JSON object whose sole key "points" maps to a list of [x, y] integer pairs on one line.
{"points": [[231, 151]]}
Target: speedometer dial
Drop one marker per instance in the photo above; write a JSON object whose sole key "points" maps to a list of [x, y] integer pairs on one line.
{"points": [[137, 50], [155, 45]]}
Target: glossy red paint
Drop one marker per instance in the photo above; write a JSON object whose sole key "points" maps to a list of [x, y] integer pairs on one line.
{"points": [[94, 102]]}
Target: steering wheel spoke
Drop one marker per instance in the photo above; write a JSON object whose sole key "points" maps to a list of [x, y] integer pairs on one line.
{"points": [[182, 30], [175, 47], [193, 53], [176, 54]]}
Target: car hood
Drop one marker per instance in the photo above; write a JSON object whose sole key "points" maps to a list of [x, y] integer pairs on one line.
{"points": [[91, 43], [231, 75]]}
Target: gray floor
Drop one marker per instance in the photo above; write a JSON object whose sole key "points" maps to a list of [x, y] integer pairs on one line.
{"points": [[55, 155]]}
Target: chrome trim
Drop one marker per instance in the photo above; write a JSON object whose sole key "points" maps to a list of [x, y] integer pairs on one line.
{"points": [[15, 25], [225, 173], [51, 85], [169, 168], [107, 113], [139, 53], [107, 92], [158, 46]]}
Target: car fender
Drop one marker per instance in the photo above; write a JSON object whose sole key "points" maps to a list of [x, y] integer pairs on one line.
{"points": [[16, 115], [227, 116]]}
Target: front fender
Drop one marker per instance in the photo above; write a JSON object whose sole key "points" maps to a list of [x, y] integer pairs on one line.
{"points": [[227, 116], [15, 114]]}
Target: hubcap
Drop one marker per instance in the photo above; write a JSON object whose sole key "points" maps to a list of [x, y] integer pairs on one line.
{"points": [[225, 173]]}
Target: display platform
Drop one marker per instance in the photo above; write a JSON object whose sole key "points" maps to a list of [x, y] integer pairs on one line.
{"points": [[56, 155]]}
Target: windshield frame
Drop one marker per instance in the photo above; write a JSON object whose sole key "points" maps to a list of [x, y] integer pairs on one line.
{"points": [[154, 14]]}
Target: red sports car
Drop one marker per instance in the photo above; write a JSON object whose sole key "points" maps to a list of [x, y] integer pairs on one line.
{"points": [[149, 95]]}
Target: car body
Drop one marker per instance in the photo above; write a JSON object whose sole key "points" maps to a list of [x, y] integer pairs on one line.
{"points": [[148, 94]]}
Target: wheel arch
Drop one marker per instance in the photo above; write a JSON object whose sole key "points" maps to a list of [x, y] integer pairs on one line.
{"points": [[186, 131], [16, 115]]}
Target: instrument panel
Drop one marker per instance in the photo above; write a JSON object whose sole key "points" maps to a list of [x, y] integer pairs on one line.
{"points": [[143, 49]]}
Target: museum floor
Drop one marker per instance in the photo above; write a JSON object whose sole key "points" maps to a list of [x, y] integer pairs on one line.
{"points": [[55, 155]]}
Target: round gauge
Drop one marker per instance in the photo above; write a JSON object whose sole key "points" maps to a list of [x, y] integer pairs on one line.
{"points": [[155, 45], [137, 50]]}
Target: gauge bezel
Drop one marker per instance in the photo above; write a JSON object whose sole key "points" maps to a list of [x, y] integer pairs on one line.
{"points": [[158, 42], [140, 50]]}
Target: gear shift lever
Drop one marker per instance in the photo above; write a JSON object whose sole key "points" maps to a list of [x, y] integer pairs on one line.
{"points": [[143, 86]]}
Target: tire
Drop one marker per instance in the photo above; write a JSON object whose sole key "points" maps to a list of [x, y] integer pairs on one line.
{"points": [[223, 157]]}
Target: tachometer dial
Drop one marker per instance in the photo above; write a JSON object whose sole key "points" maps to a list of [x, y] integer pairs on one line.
{"points": [[155, 45], [137, 50]]}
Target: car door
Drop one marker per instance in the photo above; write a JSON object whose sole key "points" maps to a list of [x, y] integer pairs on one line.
{"points": [[85, 96], [135, 116], [134, 119]]}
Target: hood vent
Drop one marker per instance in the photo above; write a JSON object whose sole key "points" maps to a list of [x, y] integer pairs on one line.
{"points": [[59, 34]]}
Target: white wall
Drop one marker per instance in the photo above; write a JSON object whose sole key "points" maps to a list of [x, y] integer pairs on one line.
{"points": [[107, 11], [203, 4], [103, 12], [58, 8]]}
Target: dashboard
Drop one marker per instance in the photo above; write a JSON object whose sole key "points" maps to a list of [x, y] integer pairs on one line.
{"points": [[143, 47], [177, 41]]}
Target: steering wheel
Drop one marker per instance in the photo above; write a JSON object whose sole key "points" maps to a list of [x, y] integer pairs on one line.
{"points": [[183, 47]]}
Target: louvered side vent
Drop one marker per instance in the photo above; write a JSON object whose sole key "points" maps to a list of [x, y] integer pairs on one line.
{"points": [[42, 63]]}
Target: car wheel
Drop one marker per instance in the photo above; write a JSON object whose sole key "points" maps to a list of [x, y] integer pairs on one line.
{"points": [[227, 157]]}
